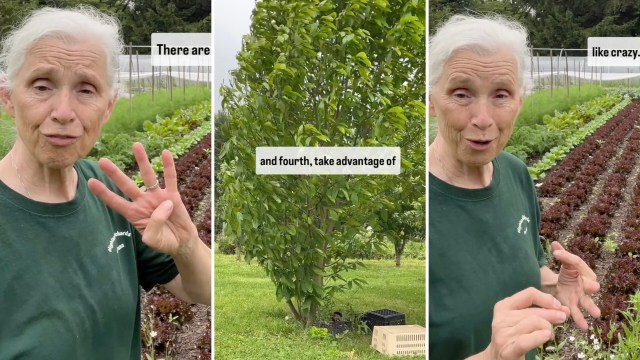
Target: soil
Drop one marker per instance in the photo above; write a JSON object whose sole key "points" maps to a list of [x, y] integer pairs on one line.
{"points": [[191, 333]]}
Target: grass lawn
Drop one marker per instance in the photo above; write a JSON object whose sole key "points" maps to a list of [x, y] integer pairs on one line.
{"points": [[250, 323]]}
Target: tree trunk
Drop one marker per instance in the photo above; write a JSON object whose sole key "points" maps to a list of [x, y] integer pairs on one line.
{"points": [[293, 310], [311, 317], [398, 258], [313, 310], [238, 253]]}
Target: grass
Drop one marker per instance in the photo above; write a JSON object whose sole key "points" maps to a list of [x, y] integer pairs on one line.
{"points": [[250, 323], [7, 134], [127, 119], [542, 103]]}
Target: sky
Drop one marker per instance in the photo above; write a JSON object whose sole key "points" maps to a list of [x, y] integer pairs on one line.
{"points": [[231, 20]]}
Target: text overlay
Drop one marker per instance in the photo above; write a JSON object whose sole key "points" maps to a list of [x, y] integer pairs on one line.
{"points": [[327, 160], [613, 51], [181, 49]]}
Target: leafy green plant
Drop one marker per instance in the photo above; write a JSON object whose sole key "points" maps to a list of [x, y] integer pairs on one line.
{"points": [[629, 343], [552, 351], [610, 244], [173, 133], [316, 333]]}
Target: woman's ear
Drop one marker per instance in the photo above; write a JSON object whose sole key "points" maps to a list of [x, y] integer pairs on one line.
{"points": [[432, 110], [5, 95], [110, 106]]}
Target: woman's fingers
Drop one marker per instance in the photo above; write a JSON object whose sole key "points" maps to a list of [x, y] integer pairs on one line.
{"points": [[590, 286], [525, 343], [526, 298], [518, 327], [552, 316], [156, 223], [146, 170], [111, 199], [572, 261], [122, 181], [170, 175], [587, 303], [529, 333]]}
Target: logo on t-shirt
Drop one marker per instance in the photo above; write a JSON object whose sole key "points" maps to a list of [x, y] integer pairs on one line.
{"points": [[520, 228], [112, 242]]}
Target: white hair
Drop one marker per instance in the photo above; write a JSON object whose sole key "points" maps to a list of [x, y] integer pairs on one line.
{"points": [[482, 35], [79, 23]]}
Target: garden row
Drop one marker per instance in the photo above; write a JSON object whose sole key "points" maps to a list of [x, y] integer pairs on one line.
{"points": [[531, 141], [573, 180], [594, 189], [178, 133]]}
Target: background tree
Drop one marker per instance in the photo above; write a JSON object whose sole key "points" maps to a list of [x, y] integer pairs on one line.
{"points": [[330, 73], [139, 18], [552, 24]]}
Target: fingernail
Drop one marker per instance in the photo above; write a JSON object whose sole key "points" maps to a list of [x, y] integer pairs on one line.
{"points": [[557, 252], [168, 204], [557, 304], [561, 316]]}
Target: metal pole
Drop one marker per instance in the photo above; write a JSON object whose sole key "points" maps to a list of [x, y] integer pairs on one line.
{"points": [[130, 70], [538, 59], [551, 61], [138, 68]]}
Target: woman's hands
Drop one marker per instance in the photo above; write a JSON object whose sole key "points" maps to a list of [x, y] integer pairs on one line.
{"points": [[576, 284], [524, 321], [157, 213], [518, 326]]}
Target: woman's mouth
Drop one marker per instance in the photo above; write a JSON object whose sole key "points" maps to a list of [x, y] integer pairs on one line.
{"points": [[479, 144], [61, 140]]}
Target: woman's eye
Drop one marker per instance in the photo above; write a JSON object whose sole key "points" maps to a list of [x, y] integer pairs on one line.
{"points": [[502, 95], [40, 87], [460, 95], [87, 90]]}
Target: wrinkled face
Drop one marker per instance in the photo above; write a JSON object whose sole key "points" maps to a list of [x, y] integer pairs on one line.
{"points": [[476, 102], [60, 100]]}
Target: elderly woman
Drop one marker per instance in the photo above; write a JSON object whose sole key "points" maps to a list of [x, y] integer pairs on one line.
{"points": [[74, 249], [486, 264]]}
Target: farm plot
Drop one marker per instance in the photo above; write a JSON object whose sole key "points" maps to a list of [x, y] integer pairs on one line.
{"points": [[590, 203], [172, 329]]}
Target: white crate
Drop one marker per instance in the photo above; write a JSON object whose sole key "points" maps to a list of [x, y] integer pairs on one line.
{"points": [[399, 339]]}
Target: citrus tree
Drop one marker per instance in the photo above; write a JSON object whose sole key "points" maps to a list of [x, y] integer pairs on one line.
{"points": [[319, 73]]}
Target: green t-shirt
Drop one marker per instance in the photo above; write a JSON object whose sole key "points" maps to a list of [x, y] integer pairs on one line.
{"points": [[483, 247], [71, 276]]}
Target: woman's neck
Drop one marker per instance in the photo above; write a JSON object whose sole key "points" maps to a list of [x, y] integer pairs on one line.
{"points": [[444, 165], [26, 175]]}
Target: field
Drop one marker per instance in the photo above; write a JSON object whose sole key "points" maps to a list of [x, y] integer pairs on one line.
{"points": [[251, 324], [590, 203]]}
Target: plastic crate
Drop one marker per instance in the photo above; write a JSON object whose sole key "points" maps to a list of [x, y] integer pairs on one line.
{"points": [[400, 340], [383, 317]]}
